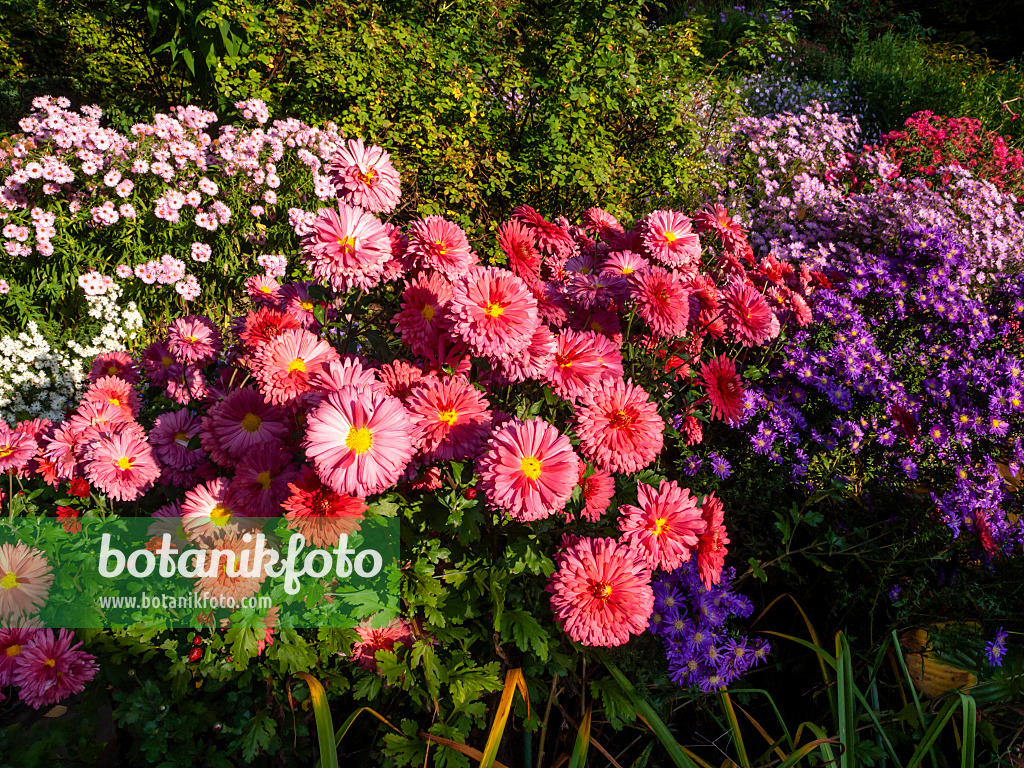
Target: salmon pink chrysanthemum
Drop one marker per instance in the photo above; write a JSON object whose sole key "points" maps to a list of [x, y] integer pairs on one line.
{"points": [[576, 366], [347, 248], [209, 510], [663, 301], [529, 470], [598, 490], [494, 312], [284, 365], [115, 363], [516, 241], [747, 314], [724, 388], [619, 427], [711, 547], [601, 593], [116, 391], [671, 240], [418, 321], [533, 361], [25, 580], [122, 465], [450, 418], [318, 513], [364, 176], [664, 528], [360, 442], [438, 244], [17, 449], [603, 223], [373, 639]]}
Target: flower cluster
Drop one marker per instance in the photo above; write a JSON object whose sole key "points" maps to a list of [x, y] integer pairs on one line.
{"points": [[45, 667]]}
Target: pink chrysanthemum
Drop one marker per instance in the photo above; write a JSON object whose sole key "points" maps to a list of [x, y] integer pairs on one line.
{"points": [[551, 238], [724, 388], [598, 490], [624, 264], [349, 371], [17, 449], [25, 580], [244, 420], [383, 638], [320, 514], [347, 248], [516, 241], [609, 356], [662, 301], [116, 391], [122, 465], [360, 442], [576, 366], [209, 509], [397, 379], [12, 642], [601, 593], [283, 366], [711, 547], [593, 290], [619, 427], [263, 290], [436, 243], [450, 418], [669, 239], [116, 363], [185, 383], [446, 355], [529, 470], [364, 176], [552, 306], [299, 305], [603, 223], [747, 314], [51, 668], [261, 481], [716, 219], [156, 363], [64, 449], [664, 528], [95, 418], [418, 321], [194, 340], [494, 312], [170, 438], [533, 361]]}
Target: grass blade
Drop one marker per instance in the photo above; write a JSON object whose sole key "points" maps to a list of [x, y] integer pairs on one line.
{"points": [[458, 746], [775, 709], [734, 726], [324, 722], [970, 709], [513, 681], [844, 696], [772, 743], [579, 751], [898, 651], [932, 734]]}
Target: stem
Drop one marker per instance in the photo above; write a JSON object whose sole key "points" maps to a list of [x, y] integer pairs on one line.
{"points": [[544, 723]]}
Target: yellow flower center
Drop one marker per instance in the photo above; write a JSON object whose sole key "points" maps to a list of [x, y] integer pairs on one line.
{"points": [[660, 526], [124, 462], [6, 451], [251, 422], [621, 419], [449, 416], [263, 478], [265, 288], [298, 364], [306, 305], [191, 339], [181, 438], [366, 178], [670, 237], [114, 401], [530, 466], [627, 271], [50, 663], [427, 312], [13, 650], [602, 590], [112, 370], [359, 440], [494, 309], [347, 243], [220, 515], [9, 581], [166, 361]]}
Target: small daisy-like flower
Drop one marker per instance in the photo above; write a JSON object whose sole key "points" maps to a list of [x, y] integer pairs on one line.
{"points": [[670, 240], [494, 312], [364, 176], [664, 528], [194, 340]]}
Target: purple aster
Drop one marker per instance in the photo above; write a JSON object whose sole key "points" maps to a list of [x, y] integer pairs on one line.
{"points": [[720, 466], [995, 649]]}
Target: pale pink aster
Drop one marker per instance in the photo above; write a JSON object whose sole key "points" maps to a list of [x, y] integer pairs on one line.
{"points": [[16, 448], [450, 418], [122, 466], [516, 241], [116, 363], [436, 243], [51, 667], [347, 248], [117, 392], [670, 239], [533, 361], [619, 427], [194, 340], [664, 528], [601, 593], [170, 438], [360, 442], [747, 315], [365, 176], [284, 364], [494, 312], [261, 481], [529, 470], [25, 579], [662, 300], [577, 365], [424, 299], [244, 420]]}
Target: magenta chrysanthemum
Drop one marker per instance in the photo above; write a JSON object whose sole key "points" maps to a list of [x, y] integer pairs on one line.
{"points": [[669, 238], [244, 420], [284, 364], [664, 528], [493, 311], [170, 440], [436, 243], [663, 301], [360, 442], [194, 340], [747, 314], [51, 667], [261, 481], [619, 427], [122, 465], [601, 593], [347, 248], [529, 470], [724, 388], [364, 176], [450, 418]]}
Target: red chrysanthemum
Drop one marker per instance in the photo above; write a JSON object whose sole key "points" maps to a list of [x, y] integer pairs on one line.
{"points": [[662, 300], [664, 528], [364, 176], [619, 427], [450, 418], [724, 388], [347, 248], [711, 547], [319, 513], [516, 240], [397, 379], [373, 639], [493, 311], [747, 314], [263, 325], [716, 219], [603, 223]]}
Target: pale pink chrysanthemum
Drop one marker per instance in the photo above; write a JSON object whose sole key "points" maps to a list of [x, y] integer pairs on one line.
{"points": [[601, 593], [619, 427], [116, 391], [64, 450], [194, 340], [115, 363], [747, 315], [516, 241], [348, 371], [598, 490], [318, 513], [25, 580], [283, 366], [373, 639], [724, 388], [624, 264], [397, 379], [529, 470], [663, 302], [603, 223], [493, 311], [436, 243], [576, 366], [209, 510], [230, 582], [360, 442], [424, 299], [17, 449], [13, 640], [122, 465], [711, 547], [347, 248], [243, 420], [365, 176], [263, 290], [670, 239], [156, 362], [533, 361], [664, 528], [261, 481], [450, 418], [170, 438], [51, 668]]}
